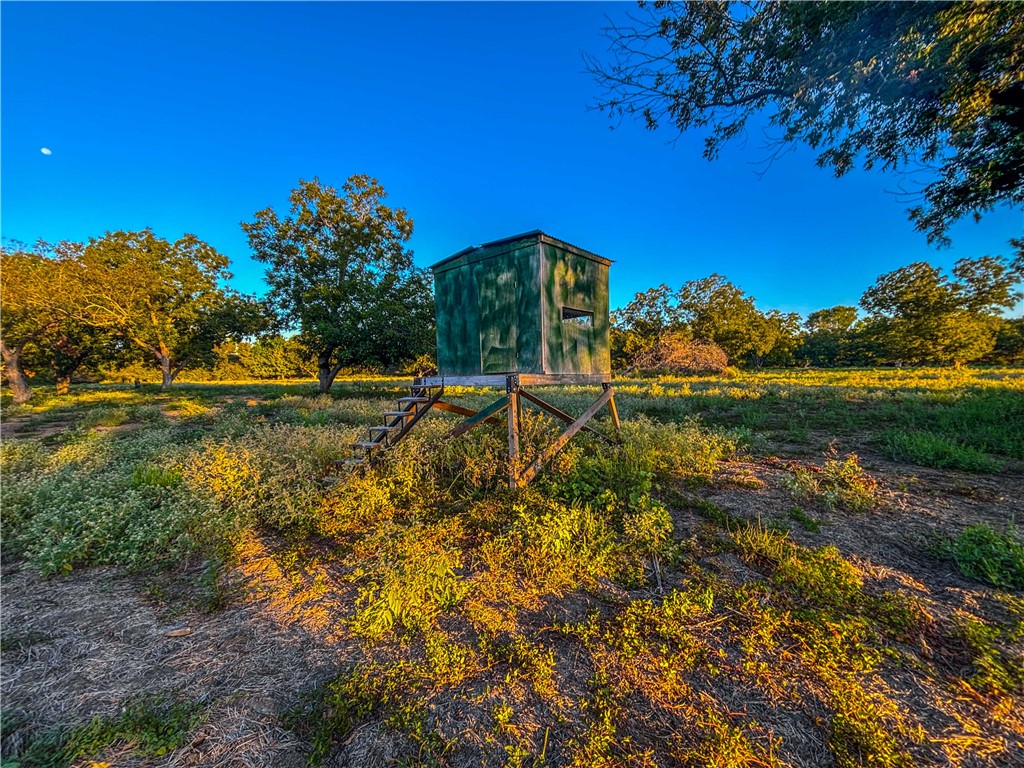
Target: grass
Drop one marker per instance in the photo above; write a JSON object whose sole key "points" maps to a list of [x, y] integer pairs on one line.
{"points": [[149, 727], [931, 450], [980, 552], [628, 608]]}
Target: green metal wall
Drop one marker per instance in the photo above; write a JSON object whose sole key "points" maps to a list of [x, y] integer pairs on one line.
{"points": [[496, 303], [458, 323], [580, 283], [488, 311]]}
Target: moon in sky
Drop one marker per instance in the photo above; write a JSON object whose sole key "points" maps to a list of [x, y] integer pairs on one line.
{"points": [[46, 151]]}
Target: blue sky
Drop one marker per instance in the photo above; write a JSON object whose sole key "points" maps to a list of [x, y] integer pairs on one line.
{"points": [[189, 117]]}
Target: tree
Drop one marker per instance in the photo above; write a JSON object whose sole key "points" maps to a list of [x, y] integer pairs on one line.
{"points": [[920, 315], [339, 272], [168, 299], [828, 336], [68, 346], [1009, 346], [36, 286], [278, 358], [715, 310], [638, 328], [902, 86], [783, 329]]}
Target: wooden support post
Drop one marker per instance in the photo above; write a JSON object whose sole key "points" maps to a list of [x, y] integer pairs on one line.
{"points": [[555, 447], [512, 385], [614, 411]]}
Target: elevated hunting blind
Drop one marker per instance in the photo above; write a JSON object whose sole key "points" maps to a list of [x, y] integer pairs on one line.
{"points": [[522, 311], [528, 304]]}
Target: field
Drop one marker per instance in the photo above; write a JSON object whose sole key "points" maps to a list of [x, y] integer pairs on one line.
{"points": [[780, 568]]}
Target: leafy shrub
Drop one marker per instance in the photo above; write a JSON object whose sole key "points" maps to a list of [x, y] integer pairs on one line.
{"points": [[559, 544], [808, 522], [931, 450], [863, 728], [650, 452], [759, 544], [413, 580], [82, 504], [272, 475], [151, 474], [822, 576], [985, 554], [838, 484]]}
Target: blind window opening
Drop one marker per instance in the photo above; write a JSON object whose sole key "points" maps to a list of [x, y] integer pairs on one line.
{"points": [[577, 317]]}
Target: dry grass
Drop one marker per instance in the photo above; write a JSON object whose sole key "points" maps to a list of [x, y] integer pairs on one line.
{"points": [[538, 635]]}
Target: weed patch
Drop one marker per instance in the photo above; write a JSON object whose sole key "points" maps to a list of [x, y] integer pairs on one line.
{"points": [[984, 554], [931, 450], [838, 484], [151, 727]]}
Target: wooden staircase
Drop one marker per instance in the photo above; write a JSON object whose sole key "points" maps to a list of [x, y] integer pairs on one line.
{"points": [[397, 425]]}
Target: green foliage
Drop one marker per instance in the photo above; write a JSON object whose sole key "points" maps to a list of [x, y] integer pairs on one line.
{"points": [[822, 576], [861, 732], [415, 581], [931, 450], [165, 298], [559, 544], [838, 484], [339, 273], [151, 726], [36, 286], [88, 502], [994, 671], [150, 474], [690, 330], [884, 84], [920, 315], [808, 522], [982, 553]]}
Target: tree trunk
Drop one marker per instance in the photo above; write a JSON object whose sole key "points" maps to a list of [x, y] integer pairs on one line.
{"points": [[63, 383], [325, 371], [166, 376], [16, 378]]}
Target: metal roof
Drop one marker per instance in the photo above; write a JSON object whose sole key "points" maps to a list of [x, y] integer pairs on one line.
{"points": [[535, 234]]}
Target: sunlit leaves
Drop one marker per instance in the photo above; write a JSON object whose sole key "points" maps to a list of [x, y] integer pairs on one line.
{"points": [[918, 87]]}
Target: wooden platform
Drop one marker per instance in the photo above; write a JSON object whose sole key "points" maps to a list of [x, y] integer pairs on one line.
{"points": [[524, 379]]}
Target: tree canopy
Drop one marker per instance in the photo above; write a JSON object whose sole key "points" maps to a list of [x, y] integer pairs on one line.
{"points": [[37, 286], [168, 299], [921, 315], [340, 273], [914, 87], [657, 323]]}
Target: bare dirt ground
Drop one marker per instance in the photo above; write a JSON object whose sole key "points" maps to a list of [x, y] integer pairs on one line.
{"points": [[82, 644], [78, 646]]}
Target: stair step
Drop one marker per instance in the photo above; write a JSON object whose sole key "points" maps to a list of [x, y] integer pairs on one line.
{"points": [[390, 428], [369, 445], [399, 413], [414, 399]]}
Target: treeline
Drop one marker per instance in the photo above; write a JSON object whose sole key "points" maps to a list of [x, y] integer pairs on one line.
{"points": [[344, 295], [916, 315], [343, 292]]}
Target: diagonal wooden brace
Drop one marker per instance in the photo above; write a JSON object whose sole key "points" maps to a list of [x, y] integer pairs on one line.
{"points": [[531, 472], [480, 416], [441, 405], [561, 414]]}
